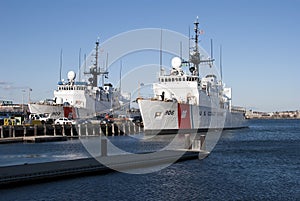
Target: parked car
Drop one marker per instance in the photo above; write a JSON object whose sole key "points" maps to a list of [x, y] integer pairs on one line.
{"points": [[64, 120], [136, 120]]}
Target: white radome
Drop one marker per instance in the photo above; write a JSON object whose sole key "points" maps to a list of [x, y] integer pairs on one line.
{"points": [[176, 62], [71, 75]]}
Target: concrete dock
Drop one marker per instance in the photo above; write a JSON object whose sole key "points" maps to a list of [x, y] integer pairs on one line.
{"points": [[12, 176]]}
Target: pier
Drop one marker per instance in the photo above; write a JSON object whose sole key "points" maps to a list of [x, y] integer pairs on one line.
{"points": [[45, 132], [12, 176]]}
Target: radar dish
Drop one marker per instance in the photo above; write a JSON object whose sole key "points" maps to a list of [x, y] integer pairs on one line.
{"points": [[71, 75], [176, 62]]}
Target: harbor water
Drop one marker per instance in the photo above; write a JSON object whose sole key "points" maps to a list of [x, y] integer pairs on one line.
{"points": [[261, 162]]}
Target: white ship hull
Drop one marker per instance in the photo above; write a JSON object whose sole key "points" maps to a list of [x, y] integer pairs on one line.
{"points": [[56, 111], [161, 117]]}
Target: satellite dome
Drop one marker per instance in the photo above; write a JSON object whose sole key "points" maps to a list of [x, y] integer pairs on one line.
{"points": [[176, 62], [71, 75]]}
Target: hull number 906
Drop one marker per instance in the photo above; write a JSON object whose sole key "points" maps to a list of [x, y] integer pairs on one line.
{"points": [[169, 112]]}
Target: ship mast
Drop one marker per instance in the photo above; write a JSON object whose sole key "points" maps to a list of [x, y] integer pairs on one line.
{"points": [[94, 70], [195, 54]]}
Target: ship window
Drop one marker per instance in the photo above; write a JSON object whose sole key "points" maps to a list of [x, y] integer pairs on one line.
{"points": [[176, 79], [180, 79], [173, 79], [183, 79], [169, 80]]}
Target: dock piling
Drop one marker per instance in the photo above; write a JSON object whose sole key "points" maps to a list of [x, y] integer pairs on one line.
{"points": [[103, 147], [187, 141], [1, 127], [202, 142]]}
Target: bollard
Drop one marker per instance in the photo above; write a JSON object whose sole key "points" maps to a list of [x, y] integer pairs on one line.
{"points": [[103, 147], [1, 127], [187, 141], [202, 142]]}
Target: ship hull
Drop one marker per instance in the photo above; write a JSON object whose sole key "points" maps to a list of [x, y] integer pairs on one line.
{"points": [[56, 111], [161, 117]]}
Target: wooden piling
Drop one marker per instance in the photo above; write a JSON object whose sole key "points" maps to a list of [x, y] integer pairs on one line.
{"points": [[35, 130], [202, 142], [1, 127]]}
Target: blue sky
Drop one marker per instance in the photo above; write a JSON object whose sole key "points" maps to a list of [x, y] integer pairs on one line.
{"points": [[260, 41]]}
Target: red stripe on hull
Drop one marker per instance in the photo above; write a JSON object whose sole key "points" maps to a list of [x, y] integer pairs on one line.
{"points": [[184, 121]]}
